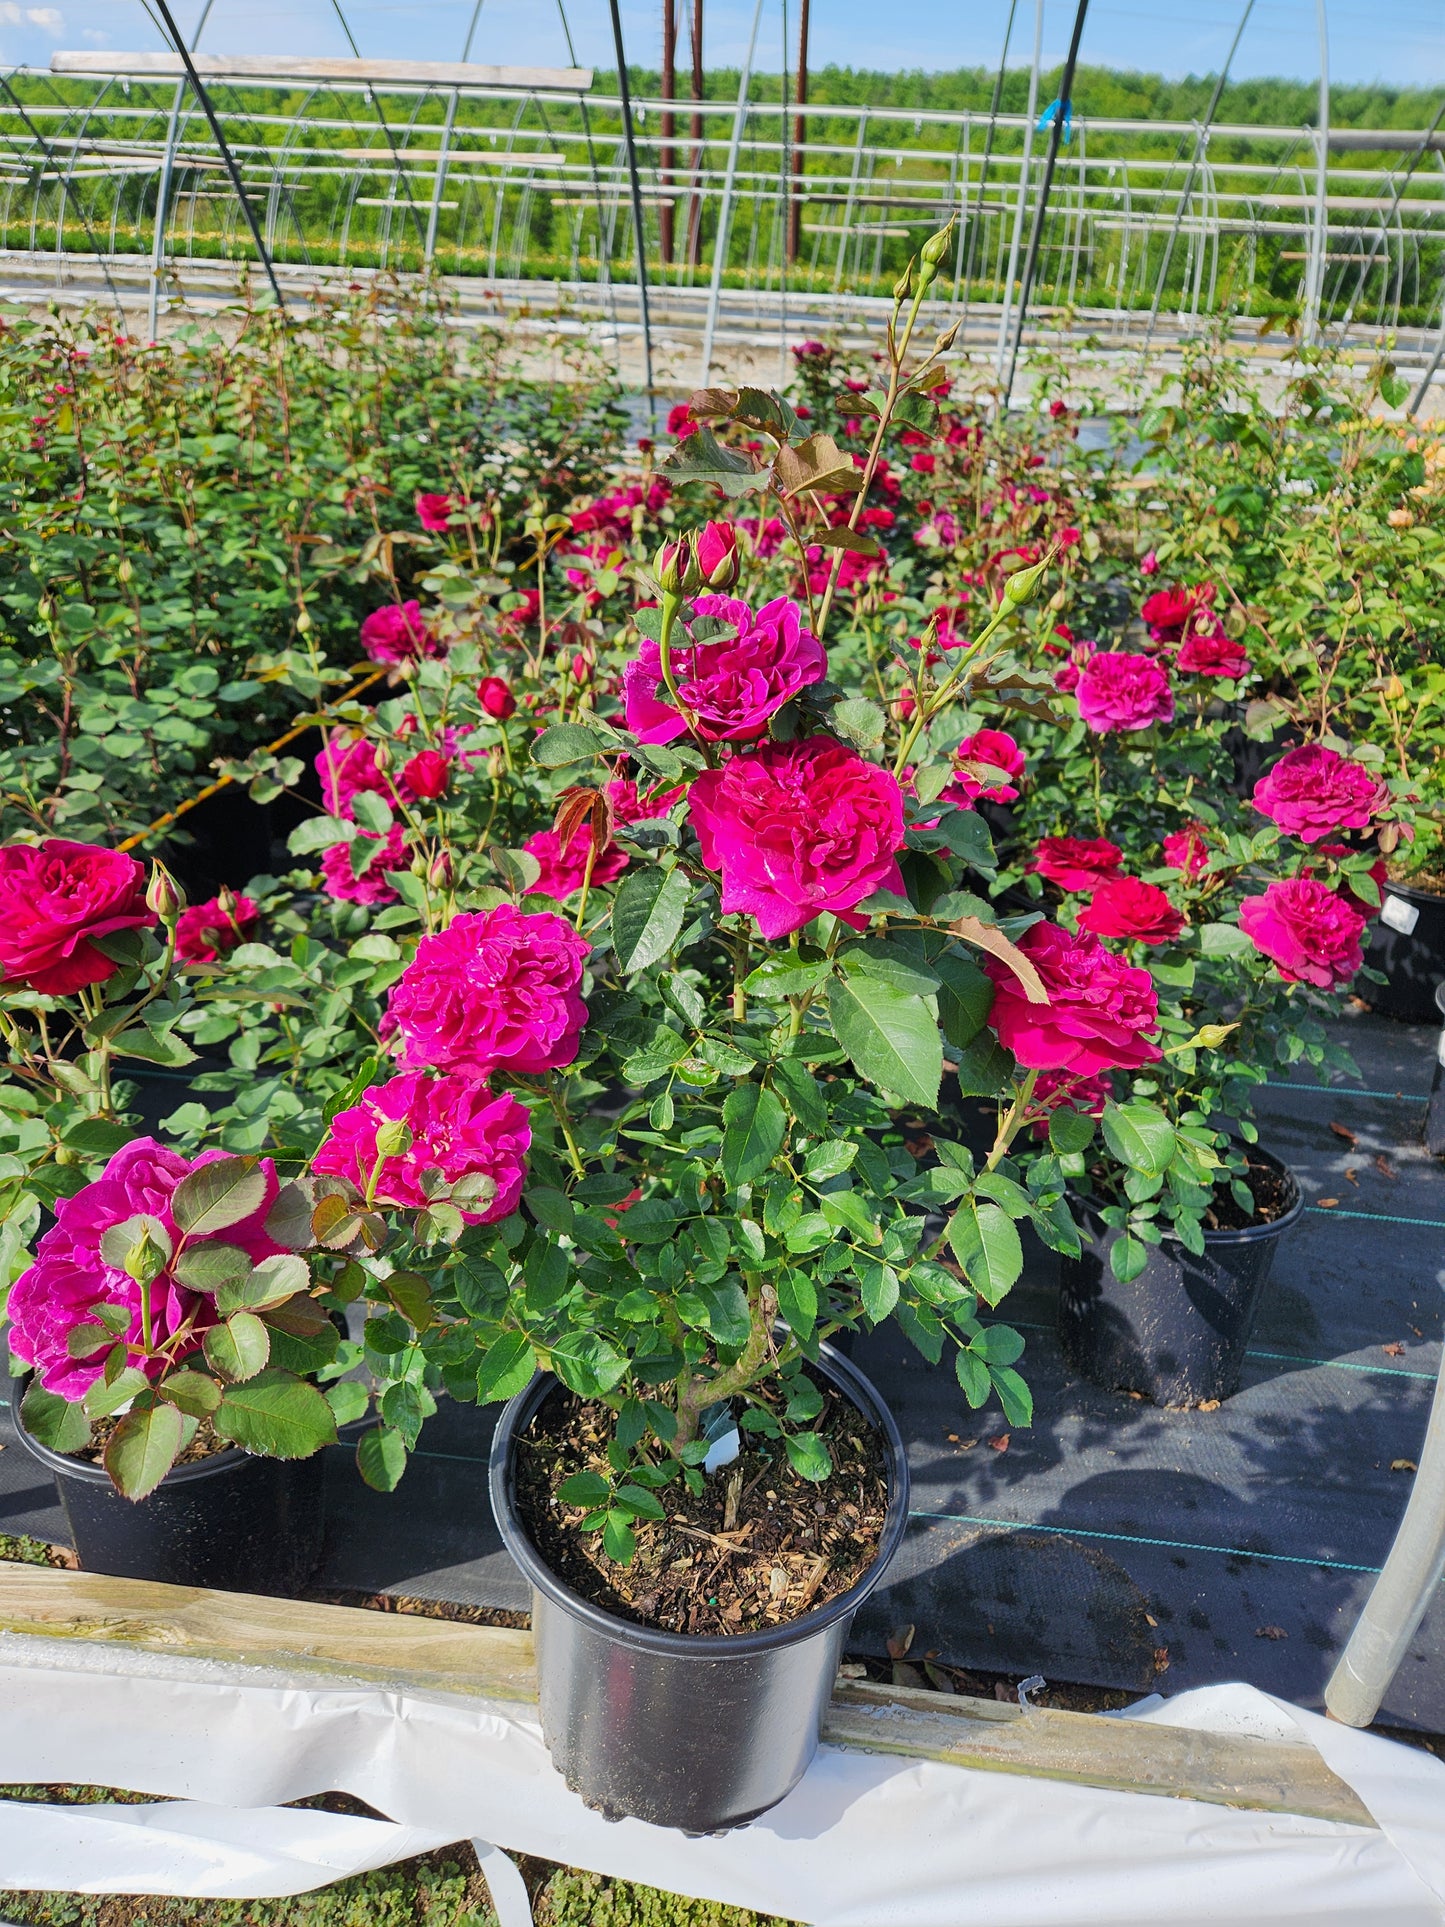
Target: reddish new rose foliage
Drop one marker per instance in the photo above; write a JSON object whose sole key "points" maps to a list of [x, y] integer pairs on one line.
{"points": [[1313, 791], [69, 1277], [206, 931], [427, 775], [1212, 655], [458, 1127], [799, 828], [731, 685], [496, 698], [57, 900], [1117, 691], [1132, 911], [1076, 863], [497, 990], [993, 749], [565, 870], [1100, 1011], [1187, 850], [380, 855], [397, 634], [1309, 931]]}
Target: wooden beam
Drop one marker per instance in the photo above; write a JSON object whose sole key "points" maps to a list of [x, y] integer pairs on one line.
{"points": [[403, 1650], [283, 68]]}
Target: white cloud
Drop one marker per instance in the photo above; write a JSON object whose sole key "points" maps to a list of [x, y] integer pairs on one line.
{"points": [[45, 17]]}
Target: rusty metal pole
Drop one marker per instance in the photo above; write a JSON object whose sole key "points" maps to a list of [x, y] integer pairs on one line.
{"points": [[694, 206], [667, 157], [800, 135]]}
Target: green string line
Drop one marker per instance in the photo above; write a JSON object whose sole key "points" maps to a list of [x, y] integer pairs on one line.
{"points": [[1133, 1539], [1375, 1217], [1346, 1090], [1288, 1358]]}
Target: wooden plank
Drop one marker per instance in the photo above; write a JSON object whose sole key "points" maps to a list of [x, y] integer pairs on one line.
{"points": [[403, 1650], [289, 67]]}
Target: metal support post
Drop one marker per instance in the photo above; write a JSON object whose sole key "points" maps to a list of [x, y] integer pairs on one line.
{"points": [[163, 196], [434, 211], [639, 232], [1016, 239], [724, 219], [1319, 233]]}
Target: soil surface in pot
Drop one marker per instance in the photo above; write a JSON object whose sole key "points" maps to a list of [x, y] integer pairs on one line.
{"points": [[205, 1444], [1430, 882], [758, 1549], [1272, 1198]]}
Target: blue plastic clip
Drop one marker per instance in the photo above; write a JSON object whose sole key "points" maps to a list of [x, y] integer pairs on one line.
{"points": [[1051, 113]]}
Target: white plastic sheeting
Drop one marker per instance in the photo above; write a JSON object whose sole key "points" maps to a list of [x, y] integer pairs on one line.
{"points": [[864, 1841]]}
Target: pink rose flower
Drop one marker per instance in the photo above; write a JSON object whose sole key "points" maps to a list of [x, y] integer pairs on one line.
{"points": [[565, 869], [372, 886], [1119, 691], [458, 1127], [1167, 611], [629, 805], [206, 931], [496, 698], [427, 775], [1076, 863], [1064, 1091], [57, 899], [434, 512], [799, 828], [1133, 911], [989, 751], [397, 634], [733, 684], [1309, 931], [1313, 791], [69, 1278], [495, 991], [1099, 1010], [1187, 850], [1212, 655], [347, 766], [1149, 564]]}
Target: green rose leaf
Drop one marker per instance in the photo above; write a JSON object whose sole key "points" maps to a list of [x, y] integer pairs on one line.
{"points": [[972, 1374], [1140, 1136], [648, 914], [218, 1195], [191, 1392], [143, 1448], [985, 1241], [1070, 1131], [102, 1399], [276, 1415], [505, 1368], [273, 1281], [1013, 1395], [891, 1036], [347, 1399], [1127, 1258], [239, 1348], [565, 743], [54, 1421], [808, 1455], [754, 1125], [381, 1457], [209, 1266], [965, 999], [798, 1301]]}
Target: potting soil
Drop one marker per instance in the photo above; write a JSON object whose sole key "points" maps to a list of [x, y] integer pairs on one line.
{"points": [[1112, 1543]]}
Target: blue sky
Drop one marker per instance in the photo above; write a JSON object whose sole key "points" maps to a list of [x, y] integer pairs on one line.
{"points": [[1395, 41]]}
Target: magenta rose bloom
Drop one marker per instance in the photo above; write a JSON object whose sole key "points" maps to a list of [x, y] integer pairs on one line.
{"points": [[1311, 933], [799, 828], [69, 1278], [206, 931], [731, 685], [397, 634], [1133, 911], [495, 991], [1076, 863], [1064, 1091], [629, 805], [1313, 791], [348, 767], [373, 885], [1122, 692], [565, 870], [458, 1127], [434, 512], [1212, 655], [428, 775], [1187, 850], [1166, 612], [56, 900], [1099, 1013], [987, 751]]}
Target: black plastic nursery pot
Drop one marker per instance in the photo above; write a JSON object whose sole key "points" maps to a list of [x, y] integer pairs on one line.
{"points": [[1178, 1332], [1435, 1112], [697, 1733], [233, 1522], [1407, 942]]}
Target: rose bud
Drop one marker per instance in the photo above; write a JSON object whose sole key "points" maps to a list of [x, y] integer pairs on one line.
{"points": [[581, 666], [164, 896], [496, 698], [718, 561], [675, 568], [441, 875], [427, 775]]}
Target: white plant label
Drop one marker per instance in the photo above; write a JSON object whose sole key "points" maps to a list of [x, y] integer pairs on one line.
{"points": [[1399, 915]]}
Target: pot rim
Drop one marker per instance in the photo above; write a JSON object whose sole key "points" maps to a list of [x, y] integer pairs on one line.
{"points": [[64, 1466], [1247, 1234], [1418, 892], [518, 1413]]}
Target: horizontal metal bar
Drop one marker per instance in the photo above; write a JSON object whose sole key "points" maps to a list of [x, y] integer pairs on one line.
{"points": [[288, 67]]}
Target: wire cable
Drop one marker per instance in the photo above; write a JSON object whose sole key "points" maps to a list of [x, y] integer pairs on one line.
{"points": [[50, 161], [625, 93]]}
